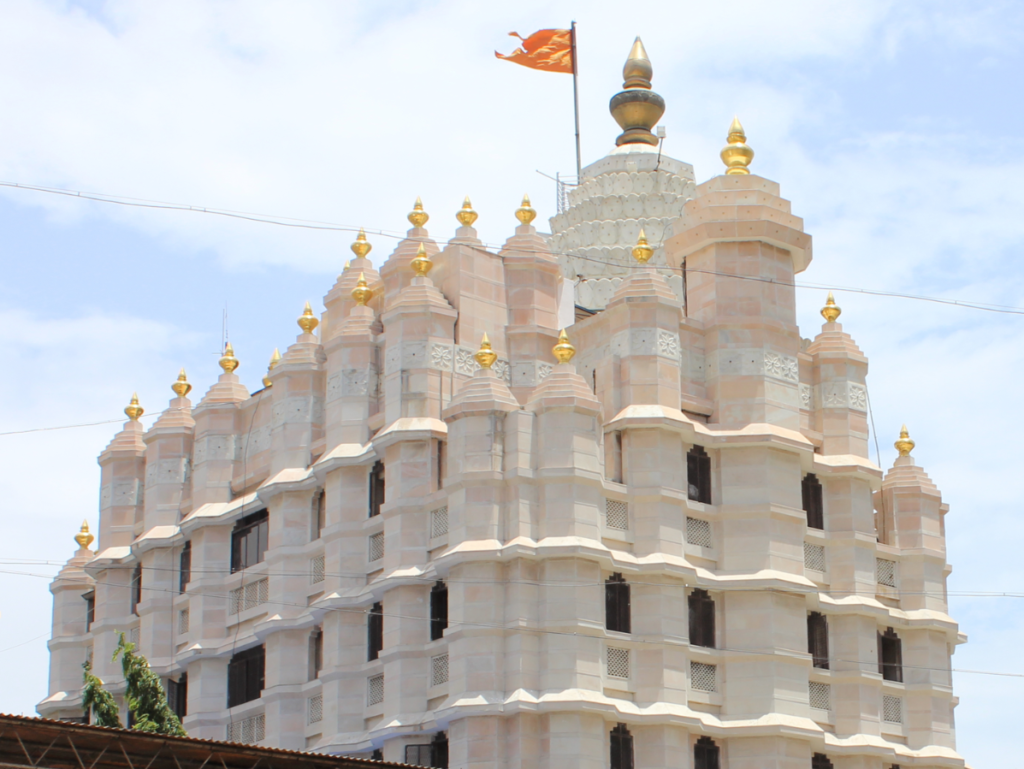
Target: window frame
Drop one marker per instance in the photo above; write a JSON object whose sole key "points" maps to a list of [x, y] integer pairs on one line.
{"points": [[438, 610], [377, 484], [375, 631], [706, 754], [185, 566], [254, 528], [617, 605], [698, 475], [90, 609], [890, 655], [813, 497], [817, 639], [136, 588], [701, 615], [318, 516], [316, 653], [177, 695], [247, 676], [620, 747]]}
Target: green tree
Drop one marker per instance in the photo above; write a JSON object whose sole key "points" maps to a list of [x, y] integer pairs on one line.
{"points": [[98, 700]]}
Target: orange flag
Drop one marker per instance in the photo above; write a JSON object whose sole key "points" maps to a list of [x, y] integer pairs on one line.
{"points": [[548, 49]]}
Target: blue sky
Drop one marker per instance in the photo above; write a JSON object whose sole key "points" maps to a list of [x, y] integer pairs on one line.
{"points": [[895, 129]]}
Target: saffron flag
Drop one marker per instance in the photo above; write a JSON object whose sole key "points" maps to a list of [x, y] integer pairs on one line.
{"points": [[548, 49]]}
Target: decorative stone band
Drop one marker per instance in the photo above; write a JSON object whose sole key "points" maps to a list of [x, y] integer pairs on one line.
{"points": [[753, 362], [645, 341], [841, 395], [215, 447], [438, 356], [300, 409], [353, 382], [166, 471]]}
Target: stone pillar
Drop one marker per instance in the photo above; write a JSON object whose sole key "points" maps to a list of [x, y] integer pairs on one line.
{"points": [[216, 431]]}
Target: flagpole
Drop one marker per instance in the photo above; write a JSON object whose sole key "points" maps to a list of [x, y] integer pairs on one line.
{"points": [[576, 99]]}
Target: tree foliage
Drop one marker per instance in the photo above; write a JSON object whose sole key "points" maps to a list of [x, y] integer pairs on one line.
{"points": [[98, 700]]}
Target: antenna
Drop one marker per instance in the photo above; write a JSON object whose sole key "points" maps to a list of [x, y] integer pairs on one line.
{"points": [[224, 328], [660, 133]]}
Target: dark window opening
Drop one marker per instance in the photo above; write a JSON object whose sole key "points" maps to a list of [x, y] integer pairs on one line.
{"points": [[698, 475], [617, 475], [702, 619], [249, 541], [890, 656], [377, 755], [616, 604], [185, 566], [705, 754], [136, 589], [375, 631], [319, 515], [177, 696], [817, 639], [438, 610], [376, 488], [440, 465], [621, 743], [814, 504], [316, 653], [246, 676], [90, 610], [434, 754], [820, 761]]}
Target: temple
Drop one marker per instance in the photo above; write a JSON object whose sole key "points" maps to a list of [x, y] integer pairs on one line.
{"points": [[589, 500]]}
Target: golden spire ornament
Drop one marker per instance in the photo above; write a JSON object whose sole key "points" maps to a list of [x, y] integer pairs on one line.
{"points": [[133, 409], [525, 213], [642, 252], [563, 351], [361, 247], [421, 265], [904, 445], [485, 356], [637, 109], [228, 361], [737, 154], [467, 215], [418, 217], [181, 387], [307, 321], [274, 360], [362, 293], [83, 537], [831, 311]]}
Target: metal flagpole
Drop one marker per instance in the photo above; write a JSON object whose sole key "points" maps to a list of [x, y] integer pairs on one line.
{"points": [[576, 99]]}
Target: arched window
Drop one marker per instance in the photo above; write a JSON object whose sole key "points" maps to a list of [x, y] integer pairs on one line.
{"points": [[705, 754], [621, 743], [890, 656], [820, 761]]}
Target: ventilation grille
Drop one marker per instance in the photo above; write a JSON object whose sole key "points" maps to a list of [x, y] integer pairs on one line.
{"points": [[814, 557], [315, 709], [439, 669], [439, 522], [375, 689], [183, 618], [376, 546], [253, 594], [317, 570], [703, 678], [618, 662], [885, 571], [892, 709], [248, 730], [616, 515], [132, 637], [698, 532], [820, 695]]}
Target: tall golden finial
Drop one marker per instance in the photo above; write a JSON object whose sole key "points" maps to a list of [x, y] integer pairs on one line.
{"points": [[831, 311], [362, 293], [637, 71], [421, 265], [563, 351], [345, 268], [467, 215], [133, 409], [361, 247], [642, 252], [83, 537], [637, 108], [485, 356], [181, 387], [228, 361], [525, 213], [274, 360], [307, 321], [418, 217], [737, 154], [904, 445]]}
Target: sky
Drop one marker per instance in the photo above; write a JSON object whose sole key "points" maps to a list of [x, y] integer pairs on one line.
{"points": [[893, 127]]}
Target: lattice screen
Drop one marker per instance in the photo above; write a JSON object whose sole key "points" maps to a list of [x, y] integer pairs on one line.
{"points": [[376, 546], [183, 618], [248, 730], [439, 669], [317, 570], [315, 709], [703, 677], [698, 532], [439, 521], [249, 596], [814, 557], [618, 662], [616, 515], [885, 571], [892, 709], [132, 636], [375, 689], [820, 695]]}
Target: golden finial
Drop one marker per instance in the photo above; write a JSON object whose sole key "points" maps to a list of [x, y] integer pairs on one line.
{"points": [[564, 351], [831, 311], [228, 361], [637, 108], [361, 247], [485, 356], [362, 293], [345, 268], [181, 387], [641, 251], [83, 537], [418, 217], [637, 71], [274, 360], [737, 154], [133, 409], [467, 215], [525, 213], [421, 265], [904, 445], [307, 321]]}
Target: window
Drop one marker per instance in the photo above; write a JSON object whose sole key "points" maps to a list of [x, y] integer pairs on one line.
{"points": [[702, 619], [817, 639], [136, 589], [245, 676], [433, 754], [705, 754], [616, 604], [440, 465], [698, 475], [185, 566], [316, 653], [814, 506], [820, 761], [90, 609], [375, 631], [890, 656], [616, 459], [177, 695], [621, 744], [438, 610], [377, 755], [376, 488], [249, 541], [319, 515]]}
